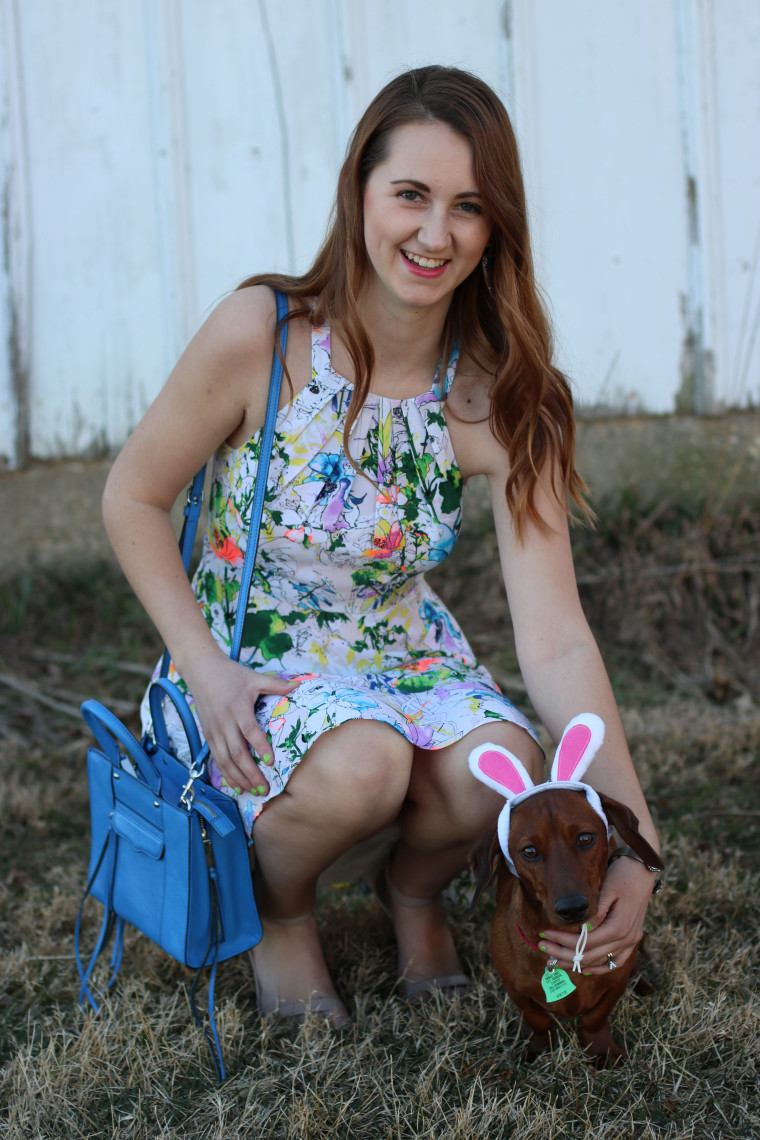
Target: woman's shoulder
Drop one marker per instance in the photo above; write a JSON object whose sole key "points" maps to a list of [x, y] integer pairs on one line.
{"points": [[243, 321], [470, 394], [221, 380], [477, 449]]}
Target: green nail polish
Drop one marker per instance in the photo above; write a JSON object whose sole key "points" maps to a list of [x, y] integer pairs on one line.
{"points": [[238, 791], [260, 791], [589, 926], [542, 948], [587, 973], [541, 934], [267, 758]]}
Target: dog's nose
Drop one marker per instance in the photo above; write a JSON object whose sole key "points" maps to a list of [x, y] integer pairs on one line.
{"points": [[572, 908]]}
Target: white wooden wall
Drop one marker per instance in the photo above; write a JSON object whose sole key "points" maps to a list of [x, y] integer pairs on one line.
{"points": [[154, 152]]}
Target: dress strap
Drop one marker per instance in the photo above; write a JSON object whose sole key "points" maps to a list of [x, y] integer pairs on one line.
{"points": [[442, 384], [320, 351]]}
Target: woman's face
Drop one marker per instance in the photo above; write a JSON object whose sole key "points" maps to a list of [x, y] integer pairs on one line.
{"points": [[425, 226]]}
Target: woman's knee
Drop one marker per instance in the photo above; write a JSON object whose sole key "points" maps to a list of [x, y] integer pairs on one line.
{"points": [[441, 782], [518, 740], [359, 771]]}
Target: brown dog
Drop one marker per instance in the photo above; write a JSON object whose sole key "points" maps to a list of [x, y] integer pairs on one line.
{"points": [[552, 849]]}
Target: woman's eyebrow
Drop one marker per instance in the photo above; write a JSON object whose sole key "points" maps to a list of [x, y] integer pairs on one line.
{"points": [[422, 186]]}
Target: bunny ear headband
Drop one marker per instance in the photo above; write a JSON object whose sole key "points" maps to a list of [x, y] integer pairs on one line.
{"points": [[500, 770]]}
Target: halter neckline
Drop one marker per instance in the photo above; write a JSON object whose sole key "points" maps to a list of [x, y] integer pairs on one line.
{"points": [[438, 390]]}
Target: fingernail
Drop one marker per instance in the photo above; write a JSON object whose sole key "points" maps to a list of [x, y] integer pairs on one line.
{"points": [[261, 790], [542, 948], [267, 758], [541, 934], [589, 927], [587, 973], [238, 791]]}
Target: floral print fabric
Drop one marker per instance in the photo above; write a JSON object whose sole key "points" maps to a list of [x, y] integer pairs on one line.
{"points": [[338, 595]]}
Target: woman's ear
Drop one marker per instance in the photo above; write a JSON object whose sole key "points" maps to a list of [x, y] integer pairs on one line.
{"points": [[579, 745]]}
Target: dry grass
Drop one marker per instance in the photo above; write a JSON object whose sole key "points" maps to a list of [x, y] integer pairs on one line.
{"points": [[445, 1069], [673, 599]]}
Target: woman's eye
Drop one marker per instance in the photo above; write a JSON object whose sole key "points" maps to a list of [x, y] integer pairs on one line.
{"points": [[529, 853], [586, 839], [470, 208], [410, 195]]}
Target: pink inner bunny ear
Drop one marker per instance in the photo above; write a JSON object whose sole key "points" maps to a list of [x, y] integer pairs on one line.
{"points": [[500, 770], [578, 746], [574, 744]]}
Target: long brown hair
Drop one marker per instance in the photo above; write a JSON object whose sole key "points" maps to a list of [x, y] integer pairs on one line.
{"points": [[500, 324]]}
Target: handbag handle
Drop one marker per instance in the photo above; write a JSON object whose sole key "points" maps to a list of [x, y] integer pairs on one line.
{"points": [[110, 733], [160, 688], [195, 493]]}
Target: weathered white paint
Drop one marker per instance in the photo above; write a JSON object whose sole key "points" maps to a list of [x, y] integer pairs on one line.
{"points": [[154, 152], [15, 268], [736, 112]]}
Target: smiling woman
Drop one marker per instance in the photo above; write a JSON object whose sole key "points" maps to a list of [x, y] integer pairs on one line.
{"points": [[411, 365], [423, 220]]}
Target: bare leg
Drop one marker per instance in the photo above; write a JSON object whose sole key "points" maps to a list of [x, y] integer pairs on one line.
{"points": [[445, 811], [351, 783]]}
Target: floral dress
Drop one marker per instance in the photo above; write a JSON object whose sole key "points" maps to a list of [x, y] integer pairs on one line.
{"points": [[339, 596]]}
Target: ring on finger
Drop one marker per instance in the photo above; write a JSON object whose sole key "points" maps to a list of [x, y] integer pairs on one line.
{"points": [[611, 963]]}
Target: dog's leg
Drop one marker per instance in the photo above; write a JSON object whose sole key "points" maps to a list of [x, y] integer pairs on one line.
{"points": [[540, 1024], [641, 978], [596, 1037]]}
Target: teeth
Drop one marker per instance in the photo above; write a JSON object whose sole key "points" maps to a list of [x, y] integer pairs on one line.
{"points": [[425, 262]]}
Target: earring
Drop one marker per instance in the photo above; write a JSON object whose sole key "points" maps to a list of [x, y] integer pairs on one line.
{"points": [[487, 264]]}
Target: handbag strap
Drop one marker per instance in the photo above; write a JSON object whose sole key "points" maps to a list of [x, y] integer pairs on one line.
{"points": [[262, 472], [192, 513], [192, 508]]}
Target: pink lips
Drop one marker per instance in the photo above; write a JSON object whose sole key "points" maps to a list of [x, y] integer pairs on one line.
{"points": [[419, 271]]}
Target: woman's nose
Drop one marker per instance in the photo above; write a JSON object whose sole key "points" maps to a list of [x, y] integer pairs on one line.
{"points": [[434, 233]]}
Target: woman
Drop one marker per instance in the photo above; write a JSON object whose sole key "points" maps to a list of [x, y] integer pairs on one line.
{"points": [[359, 699]]}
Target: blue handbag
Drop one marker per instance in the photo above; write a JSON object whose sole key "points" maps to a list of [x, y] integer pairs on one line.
{"points": [[169, 853]]}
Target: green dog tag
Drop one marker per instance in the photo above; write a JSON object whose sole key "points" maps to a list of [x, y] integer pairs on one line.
{"points": [[556, 984]]}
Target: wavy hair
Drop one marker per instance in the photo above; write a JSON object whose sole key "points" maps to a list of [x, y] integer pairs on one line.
{"points": [[500, 323]]}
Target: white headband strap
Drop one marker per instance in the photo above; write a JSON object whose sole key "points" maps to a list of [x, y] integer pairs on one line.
{"points": [[504, 817], [501, 770]]}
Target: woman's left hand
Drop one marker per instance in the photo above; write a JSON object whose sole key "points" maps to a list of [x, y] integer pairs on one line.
{"points": [[618, 925]]}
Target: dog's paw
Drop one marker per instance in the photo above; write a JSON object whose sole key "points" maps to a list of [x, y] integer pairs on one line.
{"points": [[537, 1044], [603, 1050]]}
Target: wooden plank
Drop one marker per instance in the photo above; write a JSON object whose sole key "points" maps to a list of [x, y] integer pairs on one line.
{"points": [[156, 153]]}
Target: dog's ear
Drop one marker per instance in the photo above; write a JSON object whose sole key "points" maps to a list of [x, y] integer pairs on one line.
{"points": [[627, 826], [484, 863], [499, 769], [578, 747]]}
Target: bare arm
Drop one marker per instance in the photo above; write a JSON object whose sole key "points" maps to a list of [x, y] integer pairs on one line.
{"points": [[564, 675], [220, 382]]}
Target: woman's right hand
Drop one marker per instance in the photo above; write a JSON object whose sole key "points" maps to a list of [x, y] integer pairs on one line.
{"points": [[225, 694]]}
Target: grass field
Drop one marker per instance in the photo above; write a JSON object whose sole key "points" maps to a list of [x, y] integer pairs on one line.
{"points": [[674, 601]]}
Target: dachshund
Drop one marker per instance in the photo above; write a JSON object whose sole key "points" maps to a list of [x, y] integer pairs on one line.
{"points": [[552, 848]]}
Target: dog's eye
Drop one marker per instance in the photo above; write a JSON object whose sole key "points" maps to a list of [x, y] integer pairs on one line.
{"points": [[529, 852], [586, 840]]}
